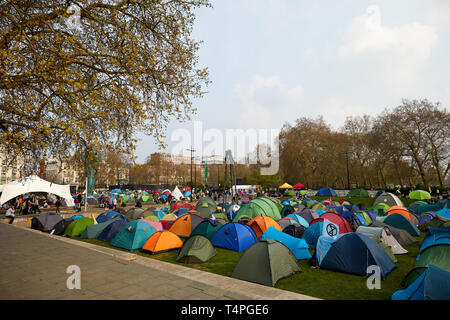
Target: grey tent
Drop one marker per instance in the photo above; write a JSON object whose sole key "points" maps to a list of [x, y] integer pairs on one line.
{"points": [[46, 221], [265, 262], [61, 226], [388, 198], [402, 236], [308, 214], [135, 213], [384, 235], [197, 248]]}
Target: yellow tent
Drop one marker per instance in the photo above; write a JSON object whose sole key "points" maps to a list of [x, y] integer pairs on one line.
{"points": [[93, 218], [285, 186]]}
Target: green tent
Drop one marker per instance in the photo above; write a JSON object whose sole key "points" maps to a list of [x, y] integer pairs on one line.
{"points": [[265, 262], [206, 209], [76, 227], [289, 193], [92, 231], [319, 206], [365, 216], [145, 198], [208, 200], [361, 193], [135, 213], [258, 207], [207, 228], [152, 218], [221, 215], [419, 195], [196, 249], [149, 212], [437, 255], [380, 209]]}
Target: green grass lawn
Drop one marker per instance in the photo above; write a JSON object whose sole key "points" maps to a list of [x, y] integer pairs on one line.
{"points": [[320, 283]]}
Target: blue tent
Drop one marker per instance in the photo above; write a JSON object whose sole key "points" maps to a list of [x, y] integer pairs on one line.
{"points": [[116, 191], [444, 213], [312, 233], [112, 230], [299, 219], [133, 235], [351, 253], [159, 213], [401, 222], [179, 212], [433, 283], [326, 192], [426, 217], [78, 216], [298, 247], [105, 216], [234, 236]]}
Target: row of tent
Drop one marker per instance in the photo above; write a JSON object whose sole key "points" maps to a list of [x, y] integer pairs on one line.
{"points": [[272, 235]]}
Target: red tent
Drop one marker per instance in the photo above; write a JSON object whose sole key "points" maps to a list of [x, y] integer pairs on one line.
{"points": [[299, 186], [344, 227]]}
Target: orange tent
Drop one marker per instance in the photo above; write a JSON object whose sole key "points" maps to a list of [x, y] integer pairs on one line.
{"points": [[162, 241], [185, 224], [400, 210], [260, 224], [193, 211]]}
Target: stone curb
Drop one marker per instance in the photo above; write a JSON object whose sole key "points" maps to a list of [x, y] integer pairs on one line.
{"points": [[253, 290]]}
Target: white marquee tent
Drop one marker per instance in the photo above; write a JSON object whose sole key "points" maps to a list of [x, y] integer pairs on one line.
{"points": [[34, 184]]}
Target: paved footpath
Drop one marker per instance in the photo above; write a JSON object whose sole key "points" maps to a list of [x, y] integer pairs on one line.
{"points": [[33, 266]]}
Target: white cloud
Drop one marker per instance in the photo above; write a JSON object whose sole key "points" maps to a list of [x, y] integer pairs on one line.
{"points": [[393, 54], [265, 102]]}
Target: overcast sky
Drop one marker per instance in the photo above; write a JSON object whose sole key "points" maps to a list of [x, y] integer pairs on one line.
{"points": [[272, 61]]}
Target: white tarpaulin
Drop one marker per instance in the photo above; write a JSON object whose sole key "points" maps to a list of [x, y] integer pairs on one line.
{"points": [[176, 193], [34, 184]]}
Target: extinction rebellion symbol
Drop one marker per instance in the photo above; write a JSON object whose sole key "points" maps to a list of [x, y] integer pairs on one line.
{"points": [[331, 230]]}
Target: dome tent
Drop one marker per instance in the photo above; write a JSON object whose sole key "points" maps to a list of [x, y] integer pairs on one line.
{"points": [[112, 230], [133, 235], [389, 198], [46, 221], [234, 236], [196, 249], [274, 261], [260, 224], [162, 241], [361, 193], [351, 253], [326, 192], [298, 247], [258, 207]]}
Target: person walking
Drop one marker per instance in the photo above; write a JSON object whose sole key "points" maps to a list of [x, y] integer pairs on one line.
{"points": [[10, 214], [114, 202], [57, 204]]}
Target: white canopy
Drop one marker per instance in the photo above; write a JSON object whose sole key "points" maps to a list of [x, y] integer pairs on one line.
{"points": [[34, 184], [176, 193]]}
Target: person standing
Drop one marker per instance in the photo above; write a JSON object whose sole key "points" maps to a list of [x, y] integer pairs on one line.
{"points": [[79, 198], [10, 214], [114, 202]]}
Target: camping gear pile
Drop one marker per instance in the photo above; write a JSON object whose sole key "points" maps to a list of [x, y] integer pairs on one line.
{"points": [[334, 235]]}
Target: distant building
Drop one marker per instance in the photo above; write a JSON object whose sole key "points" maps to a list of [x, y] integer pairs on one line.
{"points": [[10, 167], [63, 172]]}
